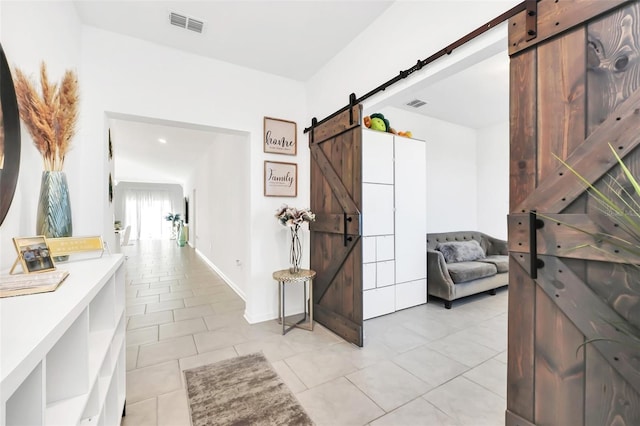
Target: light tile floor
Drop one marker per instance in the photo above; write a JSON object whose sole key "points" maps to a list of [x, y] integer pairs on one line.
{"points": [[421, 366]]}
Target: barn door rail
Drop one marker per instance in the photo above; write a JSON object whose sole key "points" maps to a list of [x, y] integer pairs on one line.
{"points": [[531, 6]]}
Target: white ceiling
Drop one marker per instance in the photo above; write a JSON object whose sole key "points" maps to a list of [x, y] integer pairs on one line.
{"points": [[475, 97], [292, 39], [257, 35]]}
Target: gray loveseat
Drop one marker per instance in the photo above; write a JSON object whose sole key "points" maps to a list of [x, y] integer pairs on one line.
{"points": [[463, 263]]}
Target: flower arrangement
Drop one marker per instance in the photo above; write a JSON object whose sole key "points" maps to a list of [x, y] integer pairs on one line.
{"points": [[173, 217], [176, 224], [293, 217], [50, 116]]}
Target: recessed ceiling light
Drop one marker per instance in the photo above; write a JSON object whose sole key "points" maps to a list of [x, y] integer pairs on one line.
{"points": [[162, 140]]}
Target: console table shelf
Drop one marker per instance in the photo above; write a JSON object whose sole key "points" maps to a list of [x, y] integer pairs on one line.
{"points": [[62, 354]]}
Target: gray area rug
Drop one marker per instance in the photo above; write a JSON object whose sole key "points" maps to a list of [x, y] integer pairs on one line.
{"points": [[241, 391]]}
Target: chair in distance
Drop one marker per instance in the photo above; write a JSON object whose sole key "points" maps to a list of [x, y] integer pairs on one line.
{"points": [[125, 237]]}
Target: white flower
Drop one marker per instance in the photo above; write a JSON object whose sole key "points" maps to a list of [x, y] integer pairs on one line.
{"points": [[294, 217]]}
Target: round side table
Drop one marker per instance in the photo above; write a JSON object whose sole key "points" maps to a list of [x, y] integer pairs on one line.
{"points": [[304, 276]]}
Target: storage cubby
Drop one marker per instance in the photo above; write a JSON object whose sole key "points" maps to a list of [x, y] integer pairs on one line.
{"points": [[121, 373], [63, 351], [101, 308], [93, 404], [118, 339], [67, 362], [25, 406], [120, 291], [111, 403]]}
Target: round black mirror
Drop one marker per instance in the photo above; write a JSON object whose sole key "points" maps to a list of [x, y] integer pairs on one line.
{"points": [[9, 137]]}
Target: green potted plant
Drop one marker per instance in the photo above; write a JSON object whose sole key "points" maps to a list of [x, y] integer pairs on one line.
{"points": [[176, 223], [623, 207]]}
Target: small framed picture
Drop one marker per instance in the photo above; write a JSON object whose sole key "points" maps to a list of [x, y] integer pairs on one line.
{"points": [[280, 179], [280, 136], [34, 254]]}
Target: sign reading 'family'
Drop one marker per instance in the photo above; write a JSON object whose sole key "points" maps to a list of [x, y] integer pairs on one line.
{"points": [[275, 179], [280, 179], [280, 136]]}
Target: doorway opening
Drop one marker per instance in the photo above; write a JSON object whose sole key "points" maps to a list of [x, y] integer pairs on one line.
{"points": [[158, 164]]}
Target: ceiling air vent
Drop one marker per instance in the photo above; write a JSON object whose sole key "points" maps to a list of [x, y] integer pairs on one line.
{"points": [[416, 103], [186, 22], [195, 25]]}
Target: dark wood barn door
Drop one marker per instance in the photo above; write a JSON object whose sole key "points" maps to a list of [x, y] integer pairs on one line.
{"points": [[575, 89], [336, 246]]}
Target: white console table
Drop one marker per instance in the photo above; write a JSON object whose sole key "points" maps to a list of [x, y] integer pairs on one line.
{"points": [[62, 354]]}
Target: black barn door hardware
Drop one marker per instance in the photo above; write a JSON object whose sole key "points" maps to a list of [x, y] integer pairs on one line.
{"points": [[530, 5], [347, 237]]}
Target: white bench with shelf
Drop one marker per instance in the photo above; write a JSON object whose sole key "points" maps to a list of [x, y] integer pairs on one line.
{"points": [[62, 354]]}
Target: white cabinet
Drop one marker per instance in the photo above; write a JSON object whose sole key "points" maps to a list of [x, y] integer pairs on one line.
{"points": [[377, 155], [410, 223], [62, 357], [393, 223], [377, 201]]}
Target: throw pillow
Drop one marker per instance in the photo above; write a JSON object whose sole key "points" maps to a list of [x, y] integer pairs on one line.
{"points": [[461, 251]]}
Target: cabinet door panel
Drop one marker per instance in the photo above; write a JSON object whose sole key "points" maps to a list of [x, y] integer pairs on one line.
{"points": [[410, 294], [368, 249], [384, 247], [377, 209], [378, 302], [369, 276], [411, 205], [385, 272], [377, 157]]}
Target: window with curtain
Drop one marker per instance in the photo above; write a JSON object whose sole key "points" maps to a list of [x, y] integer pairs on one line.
{"points": [[145, 212]]}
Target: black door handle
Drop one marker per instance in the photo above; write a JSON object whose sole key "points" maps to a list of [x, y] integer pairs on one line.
{"points": [[346, 220]]}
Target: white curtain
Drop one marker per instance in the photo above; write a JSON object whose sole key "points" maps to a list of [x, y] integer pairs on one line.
{"points": [[145, 212]]}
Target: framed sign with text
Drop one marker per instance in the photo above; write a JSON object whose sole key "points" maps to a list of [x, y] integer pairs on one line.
{"points": [[280, 136], [280, 179]]}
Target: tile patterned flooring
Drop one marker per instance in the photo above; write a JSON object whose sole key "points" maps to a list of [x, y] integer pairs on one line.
{"points": [[420, 366]]}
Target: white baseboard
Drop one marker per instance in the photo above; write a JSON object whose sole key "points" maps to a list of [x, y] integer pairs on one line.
{"points": [[260, 318], [226, 279]]}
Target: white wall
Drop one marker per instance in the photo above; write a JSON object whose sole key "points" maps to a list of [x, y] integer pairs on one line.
{"points": [[406, 32], [452, 189], [493, 179], [222, 185], [130, 76], [31, 32]]}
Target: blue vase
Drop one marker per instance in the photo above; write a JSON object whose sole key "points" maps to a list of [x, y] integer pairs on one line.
{"points": [[182, 237], [54, 207]]}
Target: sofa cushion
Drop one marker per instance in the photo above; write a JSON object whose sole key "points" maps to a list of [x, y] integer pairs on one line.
{"points": [[461, 251], [462, 272], [501, 262]]}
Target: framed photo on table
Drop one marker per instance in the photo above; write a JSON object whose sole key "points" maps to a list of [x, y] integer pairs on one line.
{"points": [[34, 254], [280, 179], [280, 136]]}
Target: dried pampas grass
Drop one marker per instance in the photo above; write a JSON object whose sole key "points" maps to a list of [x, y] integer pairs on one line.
{"points": [[50, 116]]}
